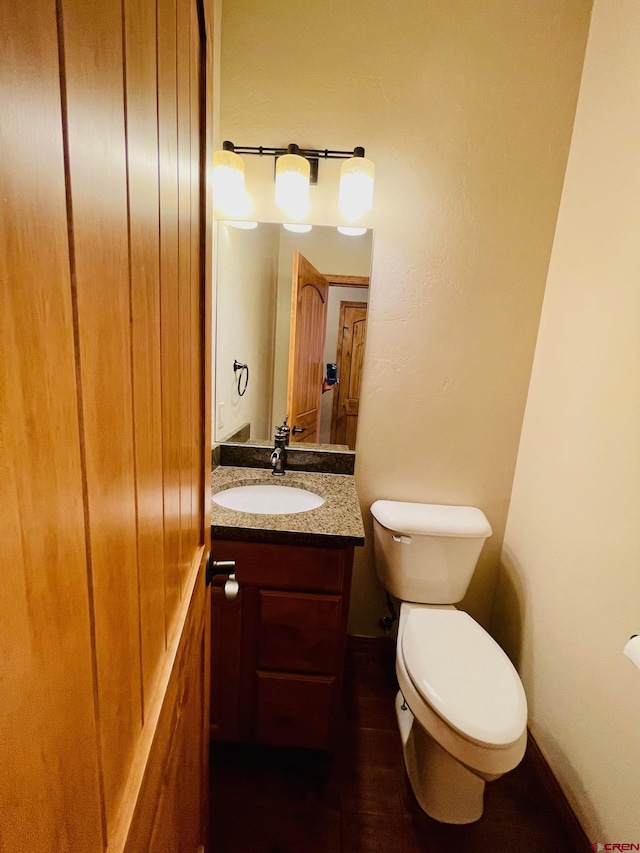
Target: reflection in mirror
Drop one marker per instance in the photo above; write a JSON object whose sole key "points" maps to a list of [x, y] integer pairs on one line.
{"points": [[292, 307]]}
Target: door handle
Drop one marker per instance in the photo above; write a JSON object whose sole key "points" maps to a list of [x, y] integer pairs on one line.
{"points": [[223, 567], [297, 430], [220, 567]]}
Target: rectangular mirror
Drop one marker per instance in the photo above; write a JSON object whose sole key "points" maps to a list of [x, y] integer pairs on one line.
{"points": [[290, 332]]}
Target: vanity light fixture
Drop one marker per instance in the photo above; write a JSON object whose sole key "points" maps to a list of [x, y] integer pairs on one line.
{"points": [[356, 185], [297, 227], [229, 193], [296, 169], [293, 173], [351, 230]]}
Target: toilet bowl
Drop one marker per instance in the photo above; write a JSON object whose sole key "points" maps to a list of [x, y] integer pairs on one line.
{"points": [[461, 707], [465, 715]]}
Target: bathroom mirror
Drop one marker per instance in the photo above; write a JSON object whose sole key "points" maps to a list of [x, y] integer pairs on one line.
{"points": [[259, 369]]}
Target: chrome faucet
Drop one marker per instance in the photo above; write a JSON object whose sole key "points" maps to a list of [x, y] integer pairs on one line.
{"points": [[279, 455]]}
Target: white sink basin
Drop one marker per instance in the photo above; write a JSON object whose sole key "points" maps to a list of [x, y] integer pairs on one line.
{"points": [[268, 500]]}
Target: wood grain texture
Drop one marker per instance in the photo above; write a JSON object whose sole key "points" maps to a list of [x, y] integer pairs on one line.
{"points": [[309, 295], [347, 280], [298, 631], [352, 333], [144, 254], [83, 648], [278, 649], [197, 294], [163, 806], [49, 788], [169, 300], [294, 710], [204, 72], [226, 639], [278, 566], [96, 134], [183, 78]]}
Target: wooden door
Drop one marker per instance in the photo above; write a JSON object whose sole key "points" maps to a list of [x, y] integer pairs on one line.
{"points": [[104, 436], [309, 294], [352, 331]]}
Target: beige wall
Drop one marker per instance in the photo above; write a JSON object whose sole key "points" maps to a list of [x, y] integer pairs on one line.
{"points": [[466, 108], [569, 594], [246, 298]]}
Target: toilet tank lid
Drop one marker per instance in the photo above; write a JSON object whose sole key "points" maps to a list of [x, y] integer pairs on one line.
{"points": [[431, 519]]}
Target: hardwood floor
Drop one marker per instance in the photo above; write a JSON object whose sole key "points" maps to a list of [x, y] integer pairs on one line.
{"points": [[358, 800]]}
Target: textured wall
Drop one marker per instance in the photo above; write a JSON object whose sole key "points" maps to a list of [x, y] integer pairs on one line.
{"points": [[246, 296], [466, 108], [568, 597]]}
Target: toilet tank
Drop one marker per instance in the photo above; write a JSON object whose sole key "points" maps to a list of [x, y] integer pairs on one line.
{"points": [[427, 553]]}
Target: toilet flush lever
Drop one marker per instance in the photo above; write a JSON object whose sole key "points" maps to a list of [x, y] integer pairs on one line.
{"points": [[404, 540]]}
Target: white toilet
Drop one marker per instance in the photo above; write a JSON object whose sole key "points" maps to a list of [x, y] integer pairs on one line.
{"points": [[461, 708]]}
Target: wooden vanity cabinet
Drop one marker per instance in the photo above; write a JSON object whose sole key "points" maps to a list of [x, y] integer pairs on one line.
{"points": [[277, 654]]}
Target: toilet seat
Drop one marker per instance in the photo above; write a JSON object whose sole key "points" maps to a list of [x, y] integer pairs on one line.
{"points": [[463, 675]]}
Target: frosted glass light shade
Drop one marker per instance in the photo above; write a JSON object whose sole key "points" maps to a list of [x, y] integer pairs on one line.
{"points": [[351, 230], [297, 227], [356, 187], [229, 194], [292, 185]]}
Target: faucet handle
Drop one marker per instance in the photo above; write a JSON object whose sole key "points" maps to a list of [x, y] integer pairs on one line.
{"points": [[283, 432]]}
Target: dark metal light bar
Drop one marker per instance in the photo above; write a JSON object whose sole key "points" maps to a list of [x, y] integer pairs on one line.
{"points": [[310, 153]]}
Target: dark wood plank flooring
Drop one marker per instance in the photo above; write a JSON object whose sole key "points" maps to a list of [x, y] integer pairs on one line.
{"points": [[358, 800]]}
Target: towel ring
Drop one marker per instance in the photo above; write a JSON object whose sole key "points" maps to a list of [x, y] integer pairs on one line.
{"points": [[242, 370]]}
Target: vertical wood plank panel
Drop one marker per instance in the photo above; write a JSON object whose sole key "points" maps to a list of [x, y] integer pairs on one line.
{"points": [[168, 808], [144, 246], [97, 167], [184, 276], [206, 105], [196, 282], [49, 771], [169, 299]]}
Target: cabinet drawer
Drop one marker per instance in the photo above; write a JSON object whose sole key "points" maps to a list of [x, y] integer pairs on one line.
{"points": [[284, 566], [294, 710], [299, 632]]}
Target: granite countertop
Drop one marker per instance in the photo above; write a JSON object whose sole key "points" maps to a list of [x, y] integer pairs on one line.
{"points": [[335, 524], [298, 445]]}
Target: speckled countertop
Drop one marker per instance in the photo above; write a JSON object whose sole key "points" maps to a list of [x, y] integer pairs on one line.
{"points": [[338, 522]]}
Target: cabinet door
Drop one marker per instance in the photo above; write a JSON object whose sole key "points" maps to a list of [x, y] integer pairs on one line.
{"points": [[226, 639], [299, 631], [278, 649], [295, 710], [291, 567]]}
